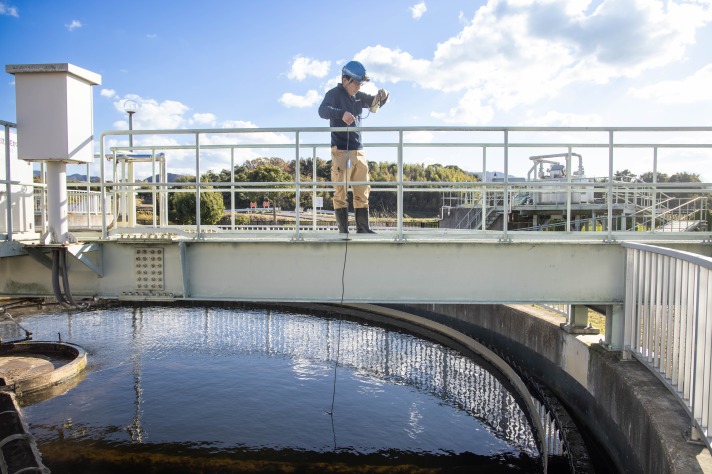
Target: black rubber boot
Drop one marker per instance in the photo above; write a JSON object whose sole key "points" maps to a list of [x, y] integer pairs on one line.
{"points": [[362, 221], [342, 220]]}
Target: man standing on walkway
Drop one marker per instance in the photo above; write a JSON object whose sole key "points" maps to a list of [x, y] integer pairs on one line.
{"points": [[343, 106]]}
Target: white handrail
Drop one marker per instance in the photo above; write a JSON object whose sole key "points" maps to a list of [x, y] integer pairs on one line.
{"points": [[668, 324]]}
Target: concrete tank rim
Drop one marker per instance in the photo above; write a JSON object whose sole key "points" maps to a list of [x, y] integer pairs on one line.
{"points": [[65, 372]]}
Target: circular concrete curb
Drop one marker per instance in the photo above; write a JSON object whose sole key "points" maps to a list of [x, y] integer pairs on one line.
{"points": [[25, 368], [29, 366]]}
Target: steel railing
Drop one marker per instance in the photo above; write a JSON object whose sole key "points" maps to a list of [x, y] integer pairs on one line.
{"points": [[606, 215], [668, 324], [490, 148]]}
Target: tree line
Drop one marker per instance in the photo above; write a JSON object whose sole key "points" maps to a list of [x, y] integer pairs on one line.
{"points": [[278, 170], [382, 202]]}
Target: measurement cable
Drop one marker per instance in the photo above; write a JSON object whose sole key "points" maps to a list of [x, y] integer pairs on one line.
{"points": [[343, 289]]}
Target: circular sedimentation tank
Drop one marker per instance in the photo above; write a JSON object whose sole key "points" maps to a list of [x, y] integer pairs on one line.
{"points": [[242, 388]]}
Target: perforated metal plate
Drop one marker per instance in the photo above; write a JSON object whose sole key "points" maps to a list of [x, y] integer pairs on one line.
{"points": [[148, 268]]}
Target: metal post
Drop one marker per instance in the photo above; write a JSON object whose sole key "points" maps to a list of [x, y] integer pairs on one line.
{"points": [[103, 187], [8, 186], [654, 197], [615, 326], [130, 107], [314, 170], [483, 216], [57, 202], [400, 185], [297, 181], [197, 184], [609, 189], [505, 197], [232, 189], [568, 195]]}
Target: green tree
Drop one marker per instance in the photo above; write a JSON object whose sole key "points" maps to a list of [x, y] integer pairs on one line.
{"points": [[648, 177], [182, 206]]}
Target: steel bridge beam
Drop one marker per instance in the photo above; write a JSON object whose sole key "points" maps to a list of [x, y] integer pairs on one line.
{"points": [[360, 271]]}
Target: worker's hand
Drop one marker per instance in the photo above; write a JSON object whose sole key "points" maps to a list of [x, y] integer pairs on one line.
{"points": [[382, 96], [348, 118]]}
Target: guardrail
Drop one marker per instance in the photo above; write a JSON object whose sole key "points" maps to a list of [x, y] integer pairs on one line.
{"points": [[569, 207], [668, 324], [571, 198]]}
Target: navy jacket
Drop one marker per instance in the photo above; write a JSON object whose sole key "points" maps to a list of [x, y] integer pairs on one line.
{"points": [[335, 103]]}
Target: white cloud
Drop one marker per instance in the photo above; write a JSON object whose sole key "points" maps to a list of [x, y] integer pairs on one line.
{"points": [[109, 93], [203, 119], [470, 110], [418, 10], [5, 9], [292, 100], [73, 25], [153, 115], [513, 53], [170, 114], [693, 89], [303, 67]]}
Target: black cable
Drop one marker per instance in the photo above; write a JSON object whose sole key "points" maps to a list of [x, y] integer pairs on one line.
{"points": [[65, 279], [343, 289], [55, 278]]}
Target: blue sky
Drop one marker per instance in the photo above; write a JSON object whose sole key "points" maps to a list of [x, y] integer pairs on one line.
{"points": [[234, 63]]}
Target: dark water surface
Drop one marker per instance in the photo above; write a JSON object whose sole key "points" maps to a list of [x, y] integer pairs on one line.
{"points": [[196, 389]]}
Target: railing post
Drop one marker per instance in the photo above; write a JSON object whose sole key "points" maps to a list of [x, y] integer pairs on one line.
{"points": [[505, 200], [8, 186], [400, 187], [314, 180], [483, 216], [297, 181], [654, 200], [197, 184], [609, 190]]}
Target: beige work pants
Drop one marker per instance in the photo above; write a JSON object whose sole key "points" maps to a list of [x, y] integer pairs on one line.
{"points": [[357, 172]]}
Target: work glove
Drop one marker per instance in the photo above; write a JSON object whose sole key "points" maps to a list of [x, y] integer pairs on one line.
{"points": [[380, 99]]}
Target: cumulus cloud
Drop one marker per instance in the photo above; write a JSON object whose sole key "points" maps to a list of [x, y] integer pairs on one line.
{"points": [[6, 9], [203, 119], [73, 25], [418, 10], [109, 93], [152, 115], [303, 67], [513, 53], [170, 114], [693, 89], [471, 109], [300, 101]]}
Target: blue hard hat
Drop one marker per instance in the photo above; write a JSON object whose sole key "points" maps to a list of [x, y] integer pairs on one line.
{"points": [[355, 70]]}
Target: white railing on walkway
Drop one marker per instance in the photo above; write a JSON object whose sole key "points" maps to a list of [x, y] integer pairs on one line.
{"points": [[84, 209], [486, 151], [668, 324], [573, 206]]}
